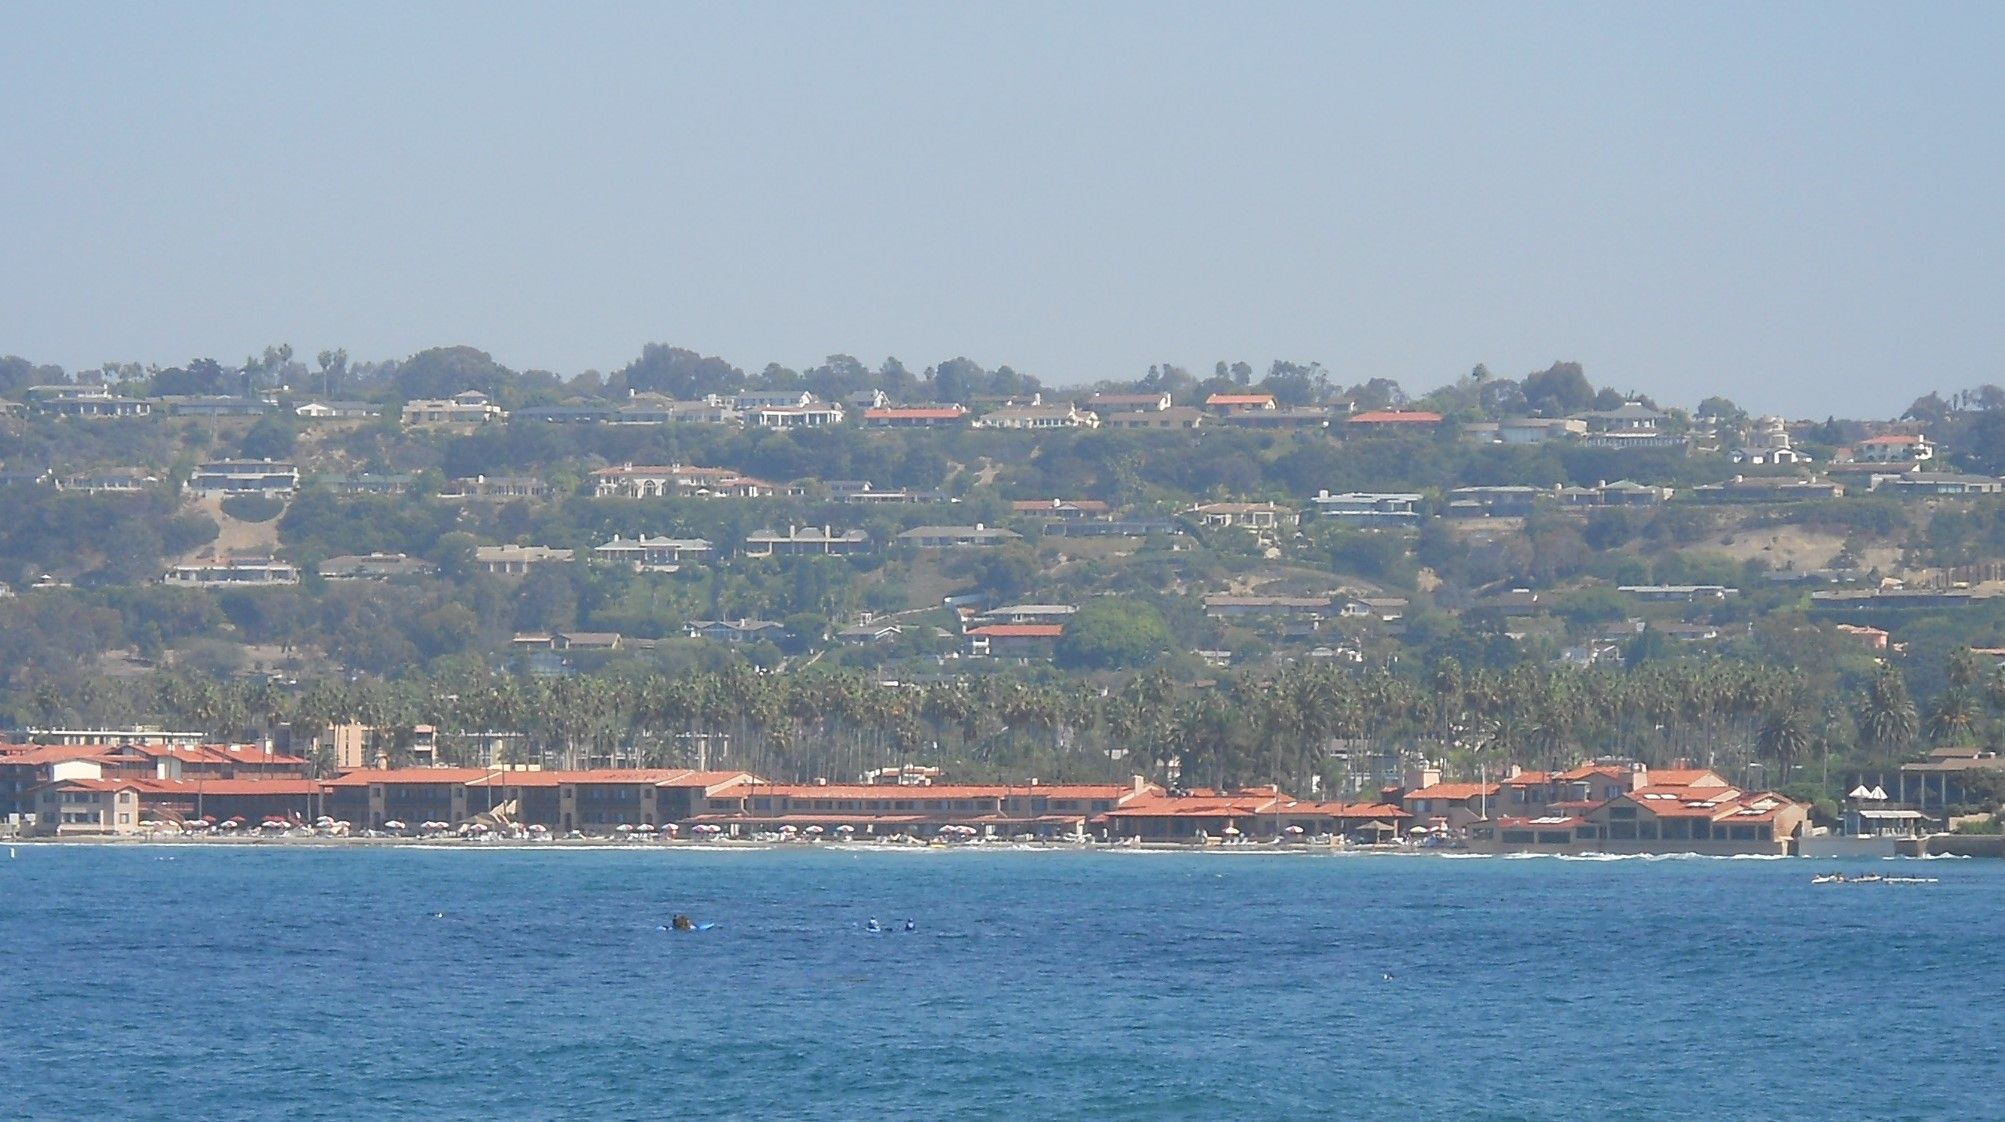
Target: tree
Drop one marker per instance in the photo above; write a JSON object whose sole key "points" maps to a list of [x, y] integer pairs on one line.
{"points": [[1888, 717], [1113, 634], [1560, 389], [445, 371], [1722, 410]]}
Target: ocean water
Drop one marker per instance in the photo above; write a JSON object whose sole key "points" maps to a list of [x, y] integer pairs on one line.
{"points": [[213, 983]]}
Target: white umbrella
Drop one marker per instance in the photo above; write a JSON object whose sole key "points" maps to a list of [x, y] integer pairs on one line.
{"points": [[813, 830], [623, 828], [1879, 794], [393, 824], [788, 828], [845, 828], [670, 829], [1418, 831], [1230, 831], [643, 828], [1292, 830], [539, 828], [1861, 792]]}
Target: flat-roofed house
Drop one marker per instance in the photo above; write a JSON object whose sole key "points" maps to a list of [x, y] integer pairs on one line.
{"points": [[1370, 509], [1224, 404], [517, 560], [913, 416], [232, 572], [245, 477], [1252, 516], [977, 536], [1384, 421], [815, 415], [375, 566], [466, 408], [801, 541], [1175, 418]]}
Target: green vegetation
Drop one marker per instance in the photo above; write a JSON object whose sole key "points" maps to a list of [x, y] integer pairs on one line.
{"points": [[1482, 640]]}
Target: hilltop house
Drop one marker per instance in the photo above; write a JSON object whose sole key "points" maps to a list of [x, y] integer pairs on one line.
{"points": [[1104, 403], [653, 482], [957, 537], [1228, 403], [497, 487], [1894, 448], [232, 572], [1175, 418], [813, 415], [1384, 421], [806, 540], [245, 477], [652, 555], [1253, 516], [1371, 509], [1063, 416], [1014, 640], [913, 416], [735, 630], [517, 560], [468, 407]]}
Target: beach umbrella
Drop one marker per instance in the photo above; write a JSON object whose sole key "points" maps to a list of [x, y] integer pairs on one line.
{"points": [[539, 828], [1879, 794], [1418, 831], [1861, 792], [788, 829], [623, 828], [1230, 831], [670, 830], [845, 828], [643, 828], [817, 830], [1292, 830], [393, 824]]}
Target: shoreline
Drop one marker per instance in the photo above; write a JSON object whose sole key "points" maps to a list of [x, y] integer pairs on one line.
{"points": [[610, 845]]}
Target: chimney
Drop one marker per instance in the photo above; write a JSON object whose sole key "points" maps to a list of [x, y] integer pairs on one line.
{"points": [[1138, 784]]}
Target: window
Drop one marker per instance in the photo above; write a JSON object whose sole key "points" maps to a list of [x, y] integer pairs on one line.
{"points": [[125, 819]]}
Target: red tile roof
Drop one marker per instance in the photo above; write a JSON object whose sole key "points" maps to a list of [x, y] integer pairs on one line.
{"points": [[1019, 630], [1453, 791], [1684, 777], [1392, 417], [413, 776], [41, 755]]}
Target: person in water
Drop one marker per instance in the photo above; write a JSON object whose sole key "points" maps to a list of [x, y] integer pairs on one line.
{"points": [[910, 926], [682, 923], [873, 925]]}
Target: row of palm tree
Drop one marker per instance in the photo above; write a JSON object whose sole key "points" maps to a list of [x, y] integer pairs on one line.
{"points": [[1301, 727]]}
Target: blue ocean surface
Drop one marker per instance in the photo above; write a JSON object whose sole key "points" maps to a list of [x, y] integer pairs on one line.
{"points": [[268, 982]]}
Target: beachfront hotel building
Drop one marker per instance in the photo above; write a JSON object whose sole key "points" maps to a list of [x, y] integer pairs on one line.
{"points": [[1606, 807]]}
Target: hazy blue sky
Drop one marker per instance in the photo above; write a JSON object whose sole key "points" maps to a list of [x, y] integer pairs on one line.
{"points": [[1795, 204]]}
